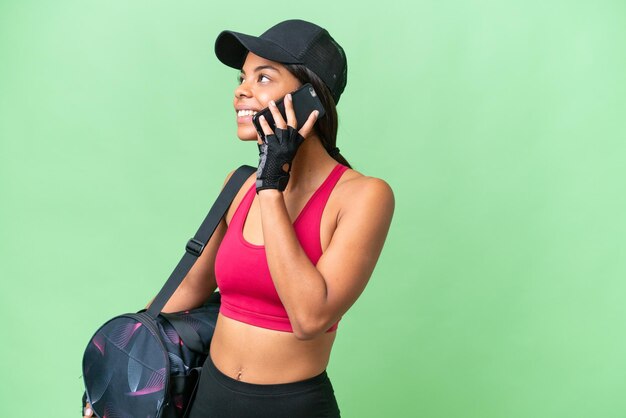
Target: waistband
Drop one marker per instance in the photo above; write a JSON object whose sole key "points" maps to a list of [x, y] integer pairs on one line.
{"points": [[264, 389]]}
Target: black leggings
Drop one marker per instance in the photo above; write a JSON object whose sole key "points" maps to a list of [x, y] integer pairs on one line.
{"points": [[221, 396]]}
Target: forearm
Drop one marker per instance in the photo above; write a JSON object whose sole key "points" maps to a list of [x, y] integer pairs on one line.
{"points": [[188, 296], [299, 284]]}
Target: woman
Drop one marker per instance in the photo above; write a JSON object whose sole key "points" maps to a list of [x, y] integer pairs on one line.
{"points": [[298, 244]]}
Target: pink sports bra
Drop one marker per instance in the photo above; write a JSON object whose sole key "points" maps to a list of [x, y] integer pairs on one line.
{"points": [[241, 270]]}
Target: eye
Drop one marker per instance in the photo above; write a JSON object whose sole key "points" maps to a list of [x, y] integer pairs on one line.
{"points": [[239, 79], [263, 76]]}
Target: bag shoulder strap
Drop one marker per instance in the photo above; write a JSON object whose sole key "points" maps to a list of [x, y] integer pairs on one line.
{"points": [[186, 332], [195, 245]]}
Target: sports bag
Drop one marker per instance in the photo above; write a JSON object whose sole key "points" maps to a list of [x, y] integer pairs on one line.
{"points": [[147, 364]]}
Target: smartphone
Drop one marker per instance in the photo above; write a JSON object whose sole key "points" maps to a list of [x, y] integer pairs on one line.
{"points": [[304, 101]]}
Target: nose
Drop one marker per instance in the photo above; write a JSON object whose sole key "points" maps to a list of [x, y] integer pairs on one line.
{"points": [[242, 90]]}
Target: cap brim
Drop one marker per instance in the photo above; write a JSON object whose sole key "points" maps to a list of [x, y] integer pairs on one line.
{"points": [[231, 48]]}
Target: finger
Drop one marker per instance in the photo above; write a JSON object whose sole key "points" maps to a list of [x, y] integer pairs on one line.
{"points": [[267, 130], [291, 114], [278, 118], [87, 411], [308, 125], [259, 138]]}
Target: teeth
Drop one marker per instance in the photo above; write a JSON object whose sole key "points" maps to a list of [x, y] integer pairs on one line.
{"points": [[246, 113]]}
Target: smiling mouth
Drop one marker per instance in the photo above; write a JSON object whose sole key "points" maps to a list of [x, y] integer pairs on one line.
{"points": [[244, 113]]}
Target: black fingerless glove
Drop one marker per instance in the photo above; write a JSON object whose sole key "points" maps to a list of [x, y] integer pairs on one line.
{"points": [[277, 150]]}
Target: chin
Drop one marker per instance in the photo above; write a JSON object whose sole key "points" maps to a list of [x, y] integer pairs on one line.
{"points": [[247, 133]]}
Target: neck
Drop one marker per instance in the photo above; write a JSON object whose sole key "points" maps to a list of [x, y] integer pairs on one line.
{"points": [[310, 166]]}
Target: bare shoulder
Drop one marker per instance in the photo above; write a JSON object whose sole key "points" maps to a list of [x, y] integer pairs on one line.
{"points": [[358, 192], [240, 194], [355, 185], [230, 174]]}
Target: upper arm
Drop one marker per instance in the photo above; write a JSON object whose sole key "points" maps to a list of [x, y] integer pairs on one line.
{"points": [[200, 282], [355, 246], [202, 274]]}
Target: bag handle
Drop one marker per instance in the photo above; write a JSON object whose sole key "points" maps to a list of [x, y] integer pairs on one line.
{"points": [[195, 245]]}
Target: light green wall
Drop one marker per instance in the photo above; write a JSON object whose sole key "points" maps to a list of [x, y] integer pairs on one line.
{"points": [[499, 125]]}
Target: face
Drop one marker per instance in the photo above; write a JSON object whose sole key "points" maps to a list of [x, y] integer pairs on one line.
{"points": [[261, 80]]}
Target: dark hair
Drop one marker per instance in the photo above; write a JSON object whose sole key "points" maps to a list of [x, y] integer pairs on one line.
{"points": [[327, 126]]}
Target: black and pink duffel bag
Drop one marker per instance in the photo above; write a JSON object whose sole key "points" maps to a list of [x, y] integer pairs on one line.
{"points": [[147, 364]]}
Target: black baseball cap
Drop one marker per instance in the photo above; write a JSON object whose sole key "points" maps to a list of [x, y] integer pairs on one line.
{"points": [[290, 42]]}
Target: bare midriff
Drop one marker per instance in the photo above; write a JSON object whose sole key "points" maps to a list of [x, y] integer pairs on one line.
{"points": [[263, 356]]}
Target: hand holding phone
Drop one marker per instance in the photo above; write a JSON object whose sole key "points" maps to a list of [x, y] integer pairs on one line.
{"points": [[304, 101], [279, 147]]}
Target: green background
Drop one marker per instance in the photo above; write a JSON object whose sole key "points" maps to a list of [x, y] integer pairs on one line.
{"points": [[499, 125]]}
